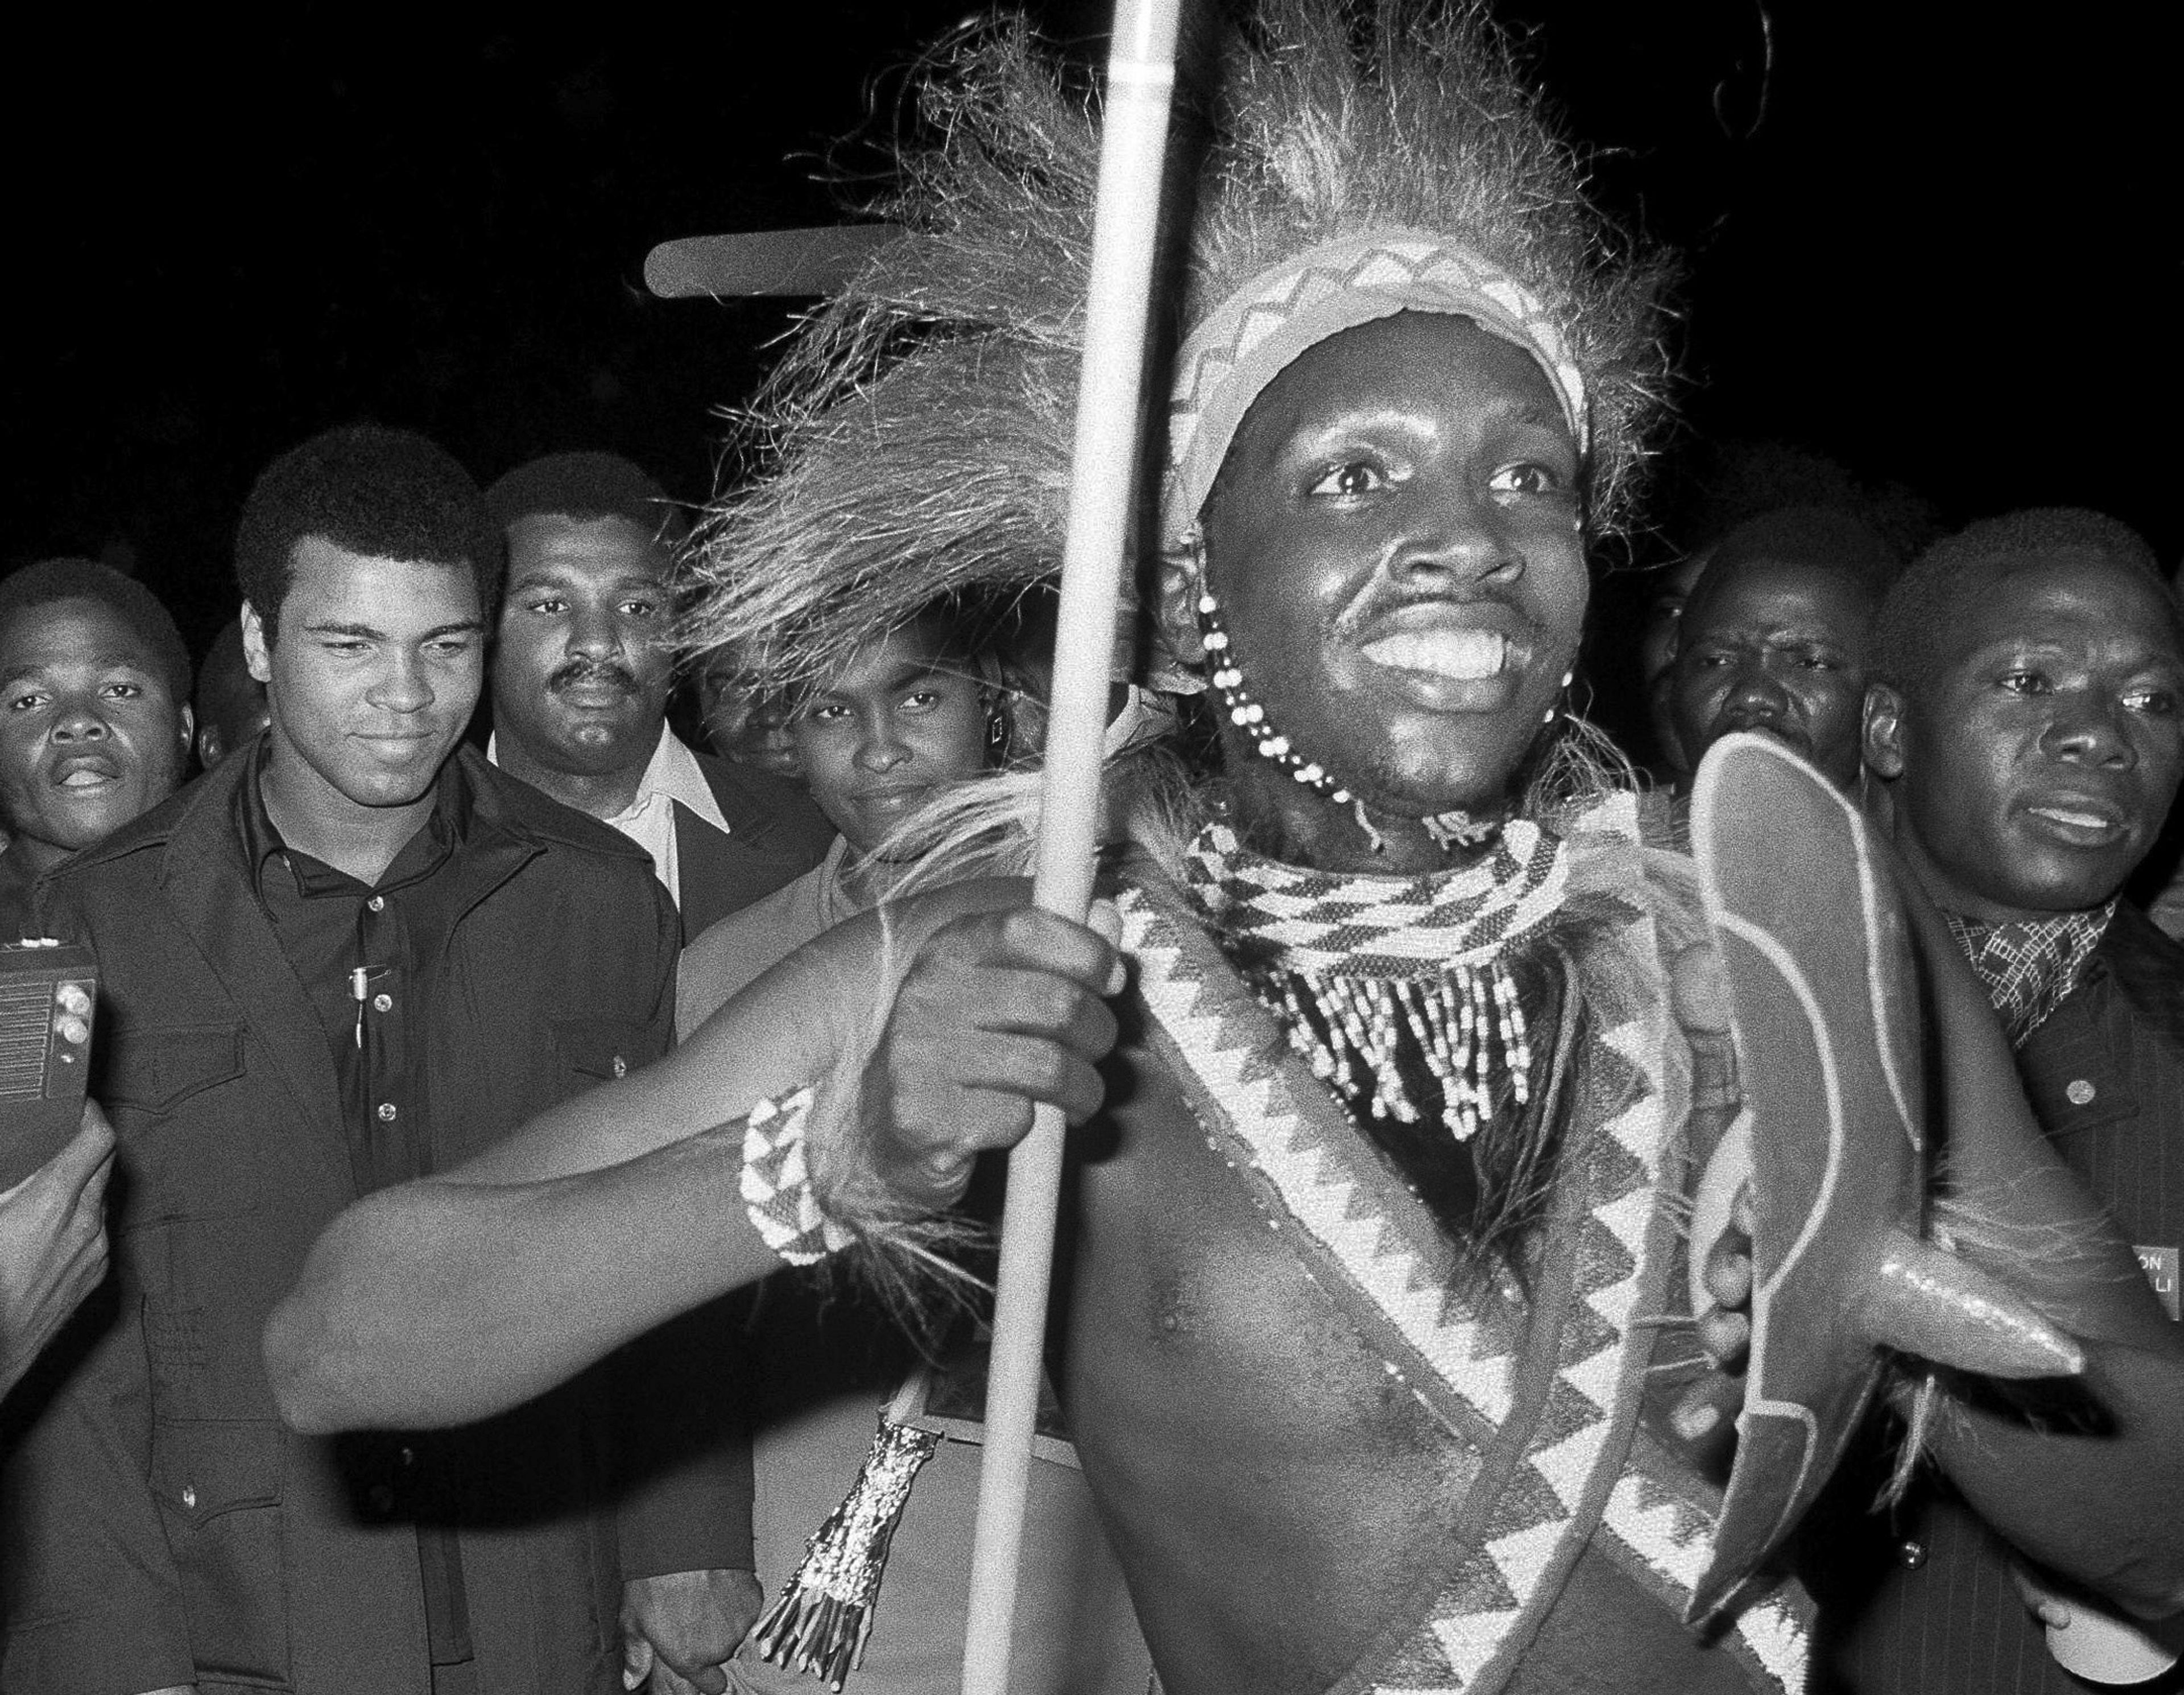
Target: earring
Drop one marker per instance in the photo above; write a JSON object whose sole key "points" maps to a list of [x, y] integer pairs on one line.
{"points": [[1555, 706], [997, 732]]}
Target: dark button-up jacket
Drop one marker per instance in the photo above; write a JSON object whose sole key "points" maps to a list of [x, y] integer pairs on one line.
{"points": [[160, 1524], [1921, 1601], [776, 834]]}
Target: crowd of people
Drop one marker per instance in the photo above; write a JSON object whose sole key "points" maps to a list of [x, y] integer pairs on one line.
{"points": [[564, 976]]}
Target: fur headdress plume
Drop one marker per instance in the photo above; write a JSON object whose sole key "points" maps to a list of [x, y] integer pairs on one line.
{"points": [[917, 433]]}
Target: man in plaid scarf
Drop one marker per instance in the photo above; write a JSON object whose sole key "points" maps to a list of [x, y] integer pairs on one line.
{"points": [[2029, 733]]}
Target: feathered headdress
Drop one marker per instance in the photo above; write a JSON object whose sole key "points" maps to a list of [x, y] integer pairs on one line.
{"points": [[1331, 164]]}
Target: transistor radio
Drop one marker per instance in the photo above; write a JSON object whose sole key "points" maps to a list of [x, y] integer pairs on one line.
{"points": [[47, 993]]}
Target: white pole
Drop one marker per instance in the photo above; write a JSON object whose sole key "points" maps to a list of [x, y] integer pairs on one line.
{"points": [[1140, 79]]}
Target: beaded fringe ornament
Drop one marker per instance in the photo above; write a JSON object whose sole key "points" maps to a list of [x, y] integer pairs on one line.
{"points": [[1379, 979], [823, 1615]]}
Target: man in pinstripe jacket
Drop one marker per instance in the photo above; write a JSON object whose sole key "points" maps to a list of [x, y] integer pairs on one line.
{"points": [[2030, 736]]}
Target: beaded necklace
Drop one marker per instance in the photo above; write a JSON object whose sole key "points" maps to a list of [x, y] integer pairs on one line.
{"points": [[1393, 989]]}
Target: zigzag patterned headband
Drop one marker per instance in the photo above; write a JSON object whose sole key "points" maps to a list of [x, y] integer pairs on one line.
{"points": [[1256, 332]]}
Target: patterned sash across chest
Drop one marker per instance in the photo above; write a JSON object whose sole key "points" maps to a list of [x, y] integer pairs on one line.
{"points": [[1549, 1385]]}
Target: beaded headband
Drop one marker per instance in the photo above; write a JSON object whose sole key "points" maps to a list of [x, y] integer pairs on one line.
{"points": [[1248, 340]]}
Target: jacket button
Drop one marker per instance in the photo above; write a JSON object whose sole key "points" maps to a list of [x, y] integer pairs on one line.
{"points": [[386, 1111], [1910, 1555], [407, 1455], [2081, 1091], [377, 903], [189, 1495], [382, 1003]]}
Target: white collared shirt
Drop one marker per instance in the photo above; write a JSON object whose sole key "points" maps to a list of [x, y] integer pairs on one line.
{"points": [[670, 775]]}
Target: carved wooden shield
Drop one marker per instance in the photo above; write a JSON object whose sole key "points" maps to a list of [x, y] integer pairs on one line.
{"points": [[1808, 908]]}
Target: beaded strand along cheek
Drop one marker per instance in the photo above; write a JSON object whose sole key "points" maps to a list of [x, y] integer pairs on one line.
{"points": [[1249, 715], [1225, 674], [1376, 978]]}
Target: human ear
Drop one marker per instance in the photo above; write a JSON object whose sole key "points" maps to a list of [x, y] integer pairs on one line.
{"points": [[1181, 580], [189, 729], [256, 649], [1881, 742]]}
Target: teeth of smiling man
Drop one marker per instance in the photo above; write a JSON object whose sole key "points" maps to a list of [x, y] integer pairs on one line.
{"points": [[1463, 655], [2090, 821]]}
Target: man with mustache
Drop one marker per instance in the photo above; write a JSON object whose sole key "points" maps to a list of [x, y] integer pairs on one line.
{"points": [[2027, 719], [1775, 637], [353, 954], [582, 671]]}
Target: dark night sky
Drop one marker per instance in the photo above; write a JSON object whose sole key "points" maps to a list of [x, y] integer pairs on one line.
{"points": [[1942, 259]]}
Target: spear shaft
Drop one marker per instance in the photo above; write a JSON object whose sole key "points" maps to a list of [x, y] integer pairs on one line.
{"points": [[1140, 79]]}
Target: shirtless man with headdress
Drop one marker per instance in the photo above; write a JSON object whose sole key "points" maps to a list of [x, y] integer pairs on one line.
{"points": [[1381, 1158]]}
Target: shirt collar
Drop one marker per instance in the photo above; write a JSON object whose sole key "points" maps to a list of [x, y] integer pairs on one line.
{"points": [[445, 826], [672, 772]]}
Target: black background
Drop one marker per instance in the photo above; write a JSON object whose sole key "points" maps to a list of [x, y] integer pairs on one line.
{"points": [[1939, 247]]}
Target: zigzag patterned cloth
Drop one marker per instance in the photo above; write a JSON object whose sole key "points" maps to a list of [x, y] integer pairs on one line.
{"points": [[1372, 925], [1245, 342], [1567, 1362]]}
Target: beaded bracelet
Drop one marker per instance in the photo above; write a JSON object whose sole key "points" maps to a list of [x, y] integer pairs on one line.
{"points": [[777, 1182]]}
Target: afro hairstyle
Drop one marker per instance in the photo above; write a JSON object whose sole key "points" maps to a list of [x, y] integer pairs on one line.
{"points": [[381, 493], [583, 486], [1937, 585], [55, 580], [1824, 537]]}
